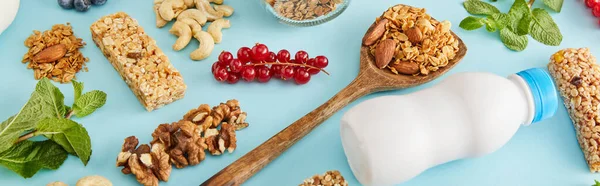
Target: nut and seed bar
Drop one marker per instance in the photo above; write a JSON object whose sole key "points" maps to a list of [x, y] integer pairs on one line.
{"points": [[144, 67], [578, 79], [330, 178]]}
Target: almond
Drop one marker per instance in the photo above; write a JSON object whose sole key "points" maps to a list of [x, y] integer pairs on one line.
{"points": [[406, 68], [414, 35], [385, 52], [50, 54], [375, 32]]}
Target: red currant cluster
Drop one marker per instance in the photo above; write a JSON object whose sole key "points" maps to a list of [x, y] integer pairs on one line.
{"points": [[261, 64], [594, 5]]}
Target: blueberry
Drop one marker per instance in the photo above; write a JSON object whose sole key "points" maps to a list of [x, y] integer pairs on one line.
{"points": [[66, 4], [98, 2], [82, 5]]}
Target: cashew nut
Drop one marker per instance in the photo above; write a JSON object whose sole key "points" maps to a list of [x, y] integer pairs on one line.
{"points": [[160, 22], [225, 9], [184, 33], [207, 44], [194, 14], [216, 1], [211, 14], [214, 29], [57, 183], [189, 3], [169, 9], [93, 181], [192, 24]]}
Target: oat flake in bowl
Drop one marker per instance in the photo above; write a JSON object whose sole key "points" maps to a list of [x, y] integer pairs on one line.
{"points": [[305, 12]]}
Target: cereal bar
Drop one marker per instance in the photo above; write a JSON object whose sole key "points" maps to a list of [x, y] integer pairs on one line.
{"points": [[578, 79], [144, 67]]}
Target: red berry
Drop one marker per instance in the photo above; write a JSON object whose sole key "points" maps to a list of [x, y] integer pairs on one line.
{"points": [[215, 66], [283, 56], [276, 70], [233, 78], [235, 65], [243, 54], [312, 71], [221, 74], [321, 62], [260, 53], [591, 3], [272, 57], [596, 10], [263, 74], [287, 73], [301, 57], [248, 73], [302, 76], [225, 57]]}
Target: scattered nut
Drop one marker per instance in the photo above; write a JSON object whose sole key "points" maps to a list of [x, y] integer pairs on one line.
{"points": [[160, 22], [50, 54], [375, 32], [57, 183], [184, 33], [214, 29], [330, 178], [194, 14], [225, 9], [93, 181], [207, 44], [209, 11], [406, 68], [385, 52]]}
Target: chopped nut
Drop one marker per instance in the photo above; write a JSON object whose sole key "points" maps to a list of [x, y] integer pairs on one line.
{"points": [[134, 55], [330, 178], [147, 164], [200, 116]]}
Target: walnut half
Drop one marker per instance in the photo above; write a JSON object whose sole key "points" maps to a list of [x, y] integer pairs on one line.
{"points": [[146, 163]]}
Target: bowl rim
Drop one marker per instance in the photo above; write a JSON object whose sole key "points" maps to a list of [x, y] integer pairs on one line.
{"points": [[309, 22]]}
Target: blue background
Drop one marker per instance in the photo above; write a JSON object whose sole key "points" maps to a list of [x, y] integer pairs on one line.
{"points": [[546, 153]]}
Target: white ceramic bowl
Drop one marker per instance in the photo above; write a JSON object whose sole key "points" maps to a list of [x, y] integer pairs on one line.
{"points": [[8, 11]]}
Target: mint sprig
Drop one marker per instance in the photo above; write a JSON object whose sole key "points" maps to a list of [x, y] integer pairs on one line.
{"points": [[515, 25], [45, 114]]}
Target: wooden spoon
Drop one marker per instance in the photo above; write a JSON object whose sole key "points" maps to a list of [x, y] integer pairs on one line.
{"points": [[370, 79]]}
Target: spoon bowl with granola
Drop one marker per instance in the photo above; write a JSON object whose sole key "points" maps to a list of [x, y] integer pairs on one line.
{"points": [[304, 13]]}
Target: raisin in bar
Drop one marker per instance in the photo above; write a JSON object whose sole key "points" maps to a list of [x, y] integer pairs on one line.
{"points": [[578, 79], [144, 67]]}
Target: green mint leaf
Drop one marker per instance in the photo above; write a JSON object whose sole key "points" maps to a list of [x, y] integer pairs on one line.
{"points": [[78, 87], [70, 135], [502, 20], [521, 17], [597, 183], [478, 7], [555, 5], [490, 25], [89, 102], [52, 97], [512, 40], [544, 29], [28, 157], [471, 23]]}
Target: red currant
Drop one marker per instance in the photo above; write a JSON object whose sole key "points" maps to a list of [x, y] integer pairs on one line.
{"points": [[215, 66], [263, 74], [260, 53], [591, 3], [302, 76], [233, 78], [283, 56], [272, 57], [321, 61], [221, 74], [301, 57], [243, 54], [225, 57], [248, 73], [235, 65], [312, 71], [596, 10], [287, 73], [276, 70]]}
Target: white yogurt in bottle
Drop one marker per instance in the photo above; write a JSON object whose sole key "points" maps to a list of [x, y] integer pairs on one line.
{"points": [[391, 139]]}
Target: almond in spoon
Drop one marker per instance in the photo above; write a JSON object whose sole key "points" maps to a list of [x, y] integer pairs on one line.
{"points": [[385, 52], [51, 54], [375, 32]]}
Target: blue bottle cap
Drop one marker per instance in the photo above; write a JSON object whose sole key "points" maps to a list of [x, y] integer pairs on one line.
{"points": [[543, 91]]}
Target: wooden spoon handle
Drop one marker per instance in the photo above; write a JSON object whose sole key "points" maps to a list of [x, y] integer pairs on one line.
{"points": [[248, 165]]}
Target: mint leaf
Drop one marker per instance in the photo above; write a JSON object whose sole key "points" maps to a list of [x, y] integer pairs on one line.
{"points": [[52, 98], [502, 20], [471, 23], [597, 183], [512, 40], [477, 7], [78, 88], [89, 102], [543, 28], [28, 157], [521, 17], [490, 25], [68, 134], [555, 5]]}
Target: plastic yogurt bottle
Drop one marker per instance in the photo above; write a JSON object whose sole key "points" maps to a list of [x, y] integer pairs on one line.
{"points": [[391, 139]]}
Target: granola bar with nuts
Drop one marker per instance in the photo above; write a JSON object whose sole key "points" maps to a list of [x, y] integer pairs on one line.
{"points": [[578, 79], [330, 178], [144, 67]]}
